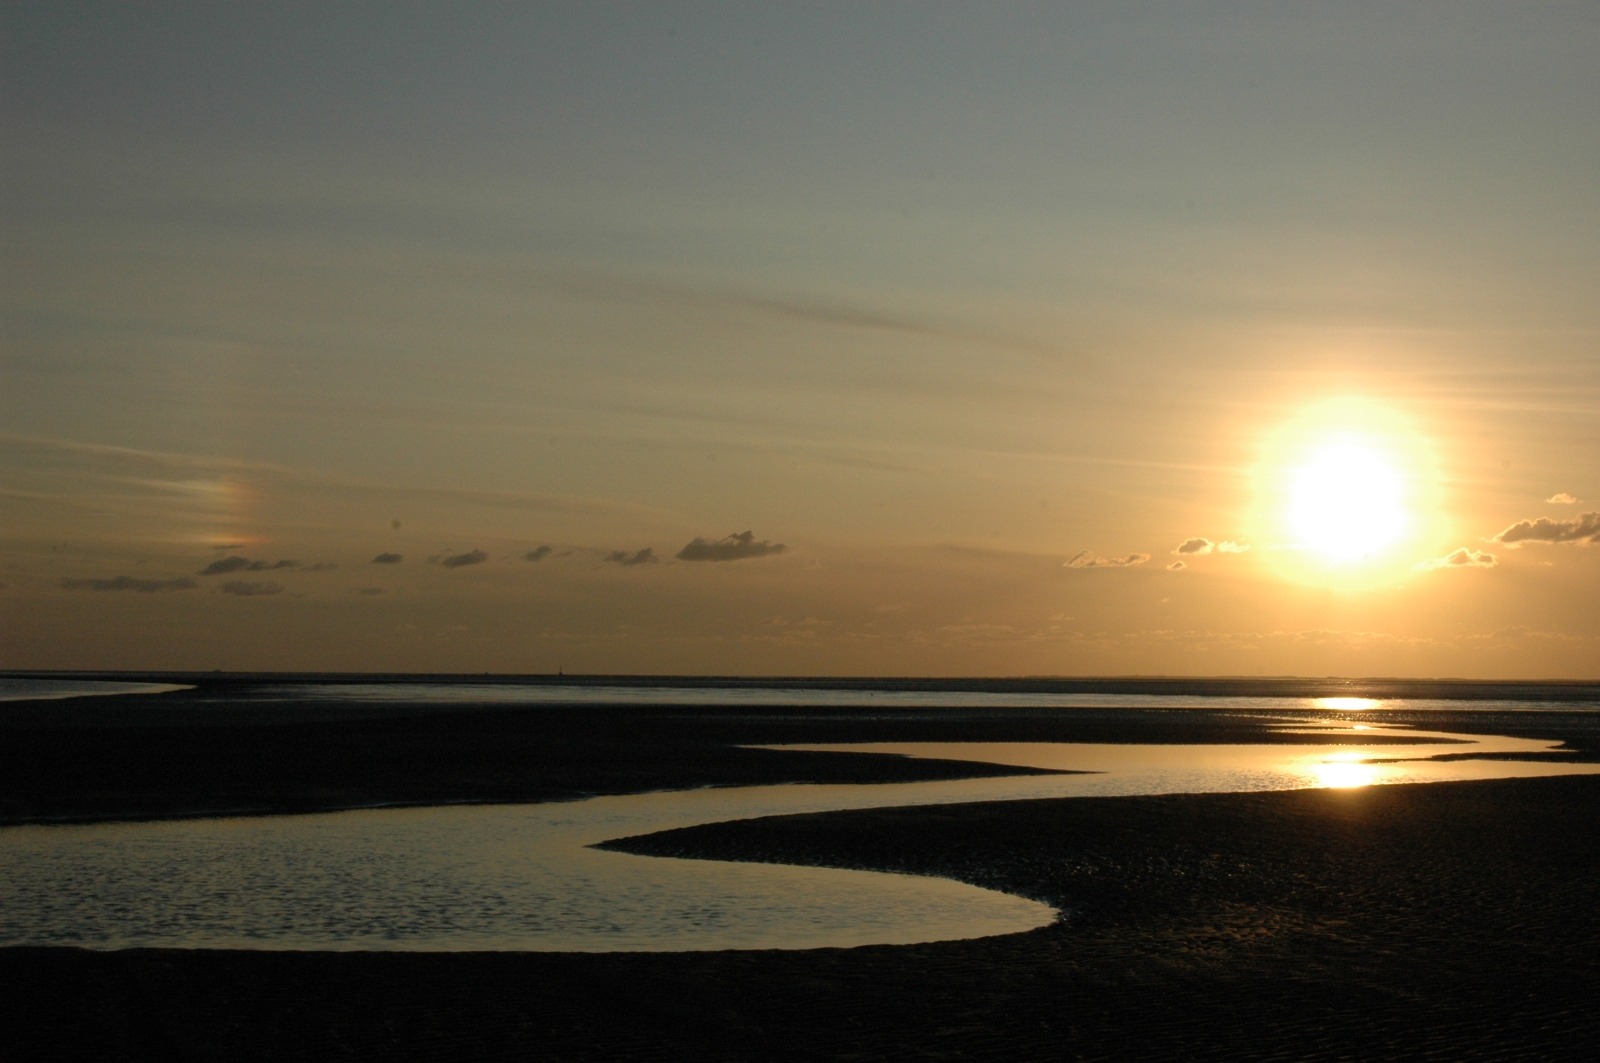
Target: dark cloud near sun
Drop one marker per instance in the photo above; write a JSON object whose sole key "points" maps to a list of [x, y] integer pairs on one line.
{"points": [[1583, 530], [735, 547], [1461, 558], [471, 557], [646, 556], [242, 588], [388, 559], [538, 554], [234, 563], [130, 583], [1089, 559]]}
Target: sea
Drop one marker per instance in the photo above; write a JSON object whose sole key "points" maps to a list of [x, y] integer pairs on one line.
{"points": [[529, 878]]}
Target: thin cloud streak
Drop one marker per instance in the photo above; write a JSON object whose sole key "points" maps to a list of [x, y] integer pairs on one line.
{"points": [[471, 557], [818, 311], [130, 583], [235, 563], [1088, 559], [251, 589], [311, 480]]}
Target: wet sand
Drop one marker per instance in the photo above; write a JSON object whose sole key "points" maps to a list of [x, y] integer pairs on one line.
{"points": [[1454, 921]]}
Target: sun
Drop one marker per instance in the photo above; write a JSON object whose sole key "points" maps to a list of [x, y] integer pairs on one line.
{"points": [[1346, 493], [1347, 501]]}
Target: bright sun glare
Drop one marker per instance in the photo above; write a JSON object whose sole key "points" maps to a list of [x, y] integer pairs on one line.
{"points": [[1347, 502], [1346, 489]]}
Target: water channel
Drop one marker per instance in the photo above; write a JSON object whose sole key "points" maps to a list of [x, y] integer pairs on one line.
{"points": [[523, 877]]}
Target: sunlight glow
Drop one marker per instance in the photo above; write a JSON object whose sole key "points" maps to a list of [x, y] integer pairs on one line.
{"points": [[1346, 502], [1347, 495], [1345, 771]]}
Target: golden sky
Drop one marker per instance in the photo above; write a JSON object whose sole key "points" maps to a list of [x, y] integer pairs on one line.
{"points": [[906, 339]]}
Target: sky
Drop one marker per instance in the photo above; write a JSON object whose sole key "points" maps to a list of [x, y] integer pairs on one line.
{"points": [[1001, 339]]}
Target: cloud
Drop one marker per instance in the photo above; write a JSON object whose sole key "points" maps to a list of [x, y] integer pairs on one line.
{"points": [[1562, 498], [235, 563], [242, 588], [1462, 558], [388, 559], [129, 583], [538, 554], [1584, 530], [1200, 545], [472, 557], [647, 556], [735, 547], [1177, 566], [1086, 559]]}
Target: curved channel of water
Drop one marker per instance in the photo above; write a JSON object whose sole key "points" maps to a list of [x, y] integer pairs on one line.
{"points": [[522, 877]]}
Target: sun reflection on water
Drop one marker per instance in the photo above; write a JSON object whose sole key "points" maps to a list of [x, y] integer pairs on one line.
{"points": [[1346, 704], [1344, 771]]}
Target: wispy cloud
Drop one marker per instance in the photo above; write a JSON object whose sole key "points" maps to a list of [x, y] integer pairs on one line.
{"points": [[1198, 545], [471, 557], [646, 556], [130, 583], [185, 472], [224, 565], [1562, 498], [136, 456], [537, 554], [735, 547], [1088, 559], [826, 312], [241, 588], [1583, 530], [1462, 558], [1177, 566], [388, 559]]}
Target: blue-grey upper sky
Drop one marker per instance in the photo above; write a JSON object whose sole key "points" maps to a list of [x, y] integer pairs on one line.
{"points": [[979, 310]]}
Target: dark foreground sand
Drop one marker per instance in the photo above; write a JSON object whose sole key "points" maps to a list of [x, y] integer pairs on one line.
{"points": [[1445, 922]]}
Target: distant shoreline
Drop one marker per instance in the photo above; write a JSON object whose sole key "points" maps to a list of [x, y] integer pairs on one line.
{"points": [[1563, 690]]}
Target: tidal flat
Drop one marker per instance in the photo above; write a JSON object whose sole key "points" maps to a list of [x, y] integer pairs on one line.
{"points": [[1451, 920]]}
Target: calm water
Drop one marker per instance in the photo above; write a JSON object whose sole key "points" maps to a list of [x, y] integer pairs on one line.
{"points": [[18, 688], [524, 878], [790, 696]]}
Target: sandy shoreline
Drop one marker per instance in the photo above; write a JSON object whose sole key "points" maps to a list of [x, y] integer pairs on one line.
{"points": [[1454, 921]]}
